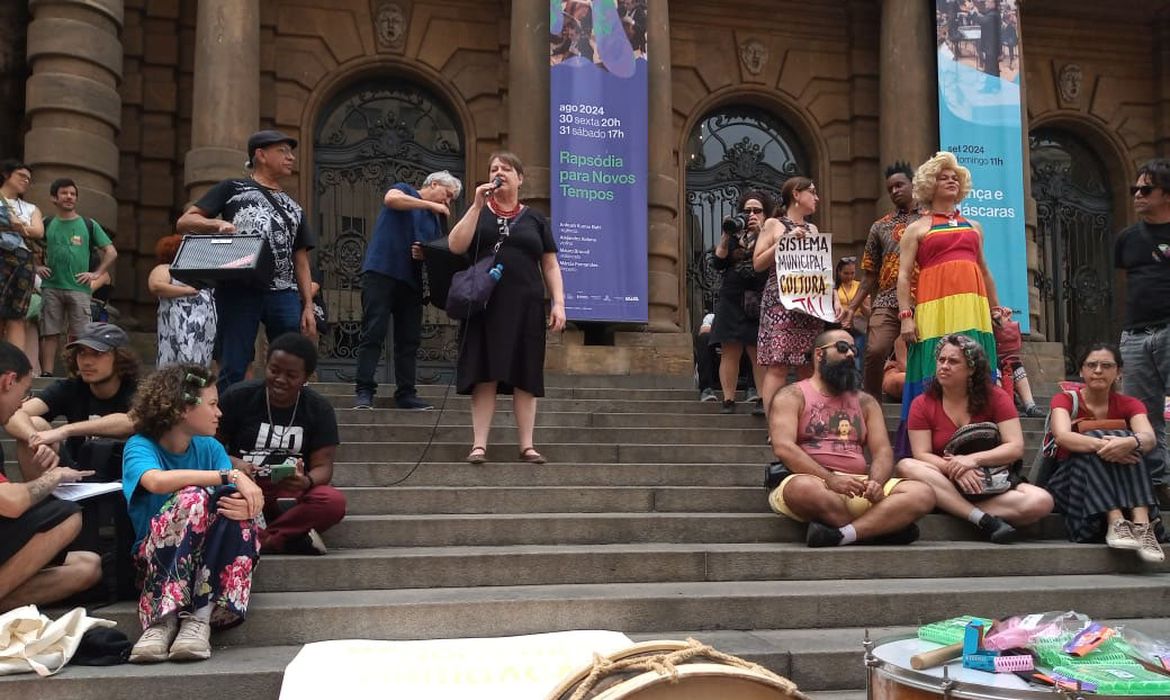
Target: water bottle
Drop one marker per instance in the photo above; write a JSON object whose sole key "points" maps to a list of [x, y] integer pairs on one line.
{"points": [[496, 272]]}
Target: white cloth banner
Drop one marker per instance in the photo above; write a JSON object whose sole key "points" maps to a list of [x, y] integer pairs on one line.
{"points": [[502, 668], [804, 272]]}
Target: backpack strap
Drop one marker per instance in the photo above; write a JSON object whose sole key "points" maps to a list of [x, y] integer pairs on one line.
{"points": [[89, 224], [1048, 447]]}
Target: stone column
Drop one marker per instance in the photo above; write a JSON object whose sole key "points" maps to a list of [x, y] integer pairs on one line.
{"points": [[908, 79], [1162, 69], [528, 97], [665, 235], [226, 101], [72, 101]]}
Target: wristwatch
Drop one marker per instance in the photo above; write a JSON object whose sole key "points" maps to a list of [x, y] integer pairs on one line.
{"points": [[225, 476]]}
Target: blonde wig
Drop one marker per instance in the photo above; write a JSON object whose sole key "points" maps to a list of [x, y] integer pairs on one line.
{"points": [[926, 179]]}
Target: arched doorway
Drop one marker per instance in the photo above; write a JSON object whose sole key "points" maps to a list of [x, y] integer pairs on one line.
{"points": [[1074, 212], [731, 150], [369, 137]]}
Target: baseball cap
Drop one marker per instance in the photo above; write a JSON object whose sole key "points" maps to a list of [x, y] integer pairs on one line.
{"points": [[102, 337], [267, 137]]}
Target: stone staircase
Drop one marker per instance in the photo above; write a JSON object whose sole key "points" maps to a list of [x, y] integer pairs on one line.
{"points": [[650, 519]]}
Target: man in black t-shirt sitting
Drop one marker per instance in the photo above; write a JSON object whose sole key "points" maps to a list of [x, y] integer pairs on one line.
{"points": [[1143, 251], [94, 400], [259, 206], [268, 421]]}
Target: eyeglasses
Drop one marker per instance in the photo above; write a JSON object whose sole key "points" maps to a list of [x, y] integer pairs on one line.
{"points": [[843, 347], [1093, 366], [1144, 190], [753, 210]]}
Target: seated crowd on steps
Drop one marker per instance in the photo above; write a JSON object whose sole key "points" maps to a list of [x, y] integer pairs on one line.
{"points": [[209, 482]]}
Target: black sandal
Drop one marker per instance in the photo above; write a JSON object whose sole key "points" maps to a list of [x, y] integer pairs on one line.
{"points": [[478, 455], [531, 456]]}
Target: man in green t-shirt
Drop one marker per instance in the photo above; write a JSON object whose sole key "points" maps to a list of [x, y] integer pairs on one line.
{"points": [[67, 280]]}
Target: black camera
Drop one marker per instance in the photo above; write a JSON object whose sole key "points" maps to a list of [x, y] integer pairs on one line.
{"points": [[734, 224], [775, 473]]}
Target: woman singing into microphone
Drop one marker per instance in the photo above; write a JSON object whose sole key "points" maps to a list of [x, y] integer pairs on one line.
{"points": [[502, 348]]}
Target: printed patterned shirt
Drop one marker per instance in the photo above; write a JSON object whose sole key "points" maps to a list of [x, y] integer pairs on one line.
{"points": [[881, 255]]}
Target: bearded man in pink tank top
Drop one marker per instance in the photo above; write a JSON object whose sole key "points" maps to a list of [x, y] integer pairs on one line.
{"points": [[821, 429]]}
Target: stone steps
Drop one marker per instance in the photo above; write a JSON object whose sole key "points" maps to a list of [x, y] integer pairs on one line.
{"points": [[302, 617], [650, 517], [506, 529], [529, 565], [827, 663]]}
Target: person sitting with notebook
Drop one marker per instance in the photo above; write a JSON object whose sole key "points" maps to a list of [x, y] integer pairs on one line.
{"points": [[35, 527]]}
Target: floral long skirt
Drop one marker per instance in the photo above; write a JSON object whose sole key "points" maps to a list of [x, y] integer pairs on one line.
{"points": [[194, 557]]}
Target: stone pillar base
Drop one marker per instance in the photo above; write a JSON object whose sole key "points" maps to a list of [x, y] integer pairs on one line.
{"points": [[1044, 363], [669, 354]]}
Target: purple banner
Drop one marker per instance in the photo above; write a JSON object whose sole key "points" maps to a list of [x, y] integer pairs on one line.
{"points": [[598, 161]]}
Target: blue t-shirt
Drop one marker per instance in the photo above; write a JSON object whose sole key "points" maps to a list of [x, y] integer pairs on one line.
{"points": [[396, 229], [143, 454]]}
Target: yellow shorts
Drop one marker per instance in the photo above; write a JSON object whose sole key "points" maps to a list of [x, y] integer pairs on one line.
{"points": [[856, 504]]}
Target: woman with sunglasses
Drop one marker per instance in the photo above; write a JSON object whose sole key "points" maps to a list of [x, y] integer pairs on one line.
{"points": [[737, 310], [501, 350], [193, 514], [962, 393], [1100, 483]]}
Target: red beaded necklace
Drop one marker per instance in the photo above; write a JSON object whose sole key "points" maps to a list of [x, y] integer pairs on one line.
{"points": [[508, 214]]}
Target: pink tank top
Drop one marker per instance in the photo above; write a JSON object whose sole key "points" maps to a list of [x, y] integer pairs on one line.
{"points": [[832, 430]]}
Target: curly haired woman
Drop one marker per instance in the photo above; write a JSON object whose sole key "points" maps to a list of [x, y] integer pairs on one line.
{"points": [[960, 394], [193, 517]]}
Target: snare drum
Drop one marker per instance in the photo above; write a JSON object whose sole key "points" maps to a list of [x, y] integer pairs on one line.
{"points": [[674, 670], [890, 677]]}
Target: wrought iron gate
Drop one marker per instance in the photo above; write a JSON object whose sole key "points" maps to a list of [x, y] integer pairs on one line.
{"points": [[370, 137], [731, 151], [1075, 239]]}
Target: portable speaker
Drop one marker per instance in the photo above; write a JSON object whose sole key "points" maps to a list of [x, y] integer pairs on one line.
{"points": [[205, 260]]}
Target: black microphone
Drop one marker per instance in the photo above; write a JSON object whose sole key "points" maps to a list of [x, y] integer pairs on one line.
{"points": [[497, 183]]}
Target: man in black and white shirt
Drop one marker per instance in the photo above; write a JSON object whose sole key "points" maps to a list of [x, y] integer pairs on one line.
{"points": [[258, 205]]}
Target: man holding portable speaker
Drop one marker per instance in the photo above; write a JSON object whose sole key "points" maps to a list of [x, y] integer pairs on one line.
{"points": [[258, 206]]}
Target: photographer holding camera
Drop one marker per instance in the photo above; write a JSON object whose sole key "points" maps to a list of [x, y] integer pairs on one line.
{"points": [[737, 310]]}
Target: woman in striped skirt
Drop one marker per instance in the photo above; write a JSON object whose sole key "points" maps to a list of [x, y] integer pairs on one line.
{"points": [[955, 292], [1101, 483]]}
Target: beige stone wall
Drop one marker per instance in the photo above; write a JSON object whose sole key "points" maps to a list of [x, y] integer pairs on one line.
{"points": [[156, 108], [820, 76], [313, 50]]}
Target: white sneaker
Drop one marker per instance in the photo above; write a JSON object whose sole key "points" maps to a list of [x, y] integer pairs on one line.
{"points": [[193, 642], [1150, 551], [1121, 535], [153, 645]]}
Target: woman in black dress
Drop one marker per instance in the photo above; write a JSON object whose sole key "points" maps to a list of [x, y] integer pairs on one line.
{"points": [[737, 310], [502, 349]]}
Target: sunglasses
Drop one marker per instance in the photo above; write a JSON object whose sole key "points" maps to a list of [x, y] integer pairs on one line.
{"points": [[1144, 190], [753, 210], [849, 259], [192, 383], [843, 347]]}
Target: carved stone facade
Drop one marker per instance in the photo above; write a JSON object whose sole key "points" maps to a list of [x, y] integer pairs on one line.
{"points": [[819, 66]]}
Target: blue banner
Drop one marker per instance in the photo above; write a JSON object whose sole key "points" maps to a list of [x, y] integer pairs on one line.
{"points": [[979, 120], [598, 163]]}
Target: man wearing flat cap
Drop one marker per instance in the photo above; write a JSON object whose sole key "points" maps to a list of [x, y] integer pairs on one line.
{"points": [[258, 205]]}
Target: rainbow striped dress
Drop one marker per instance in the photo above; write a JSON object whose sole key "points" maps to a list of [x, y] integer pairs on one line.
{"points": [[951, 298]]}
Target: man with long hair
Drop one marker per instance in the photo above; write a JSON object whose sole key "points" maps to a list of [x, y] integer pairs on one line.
{"points": [[94, 400]]}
